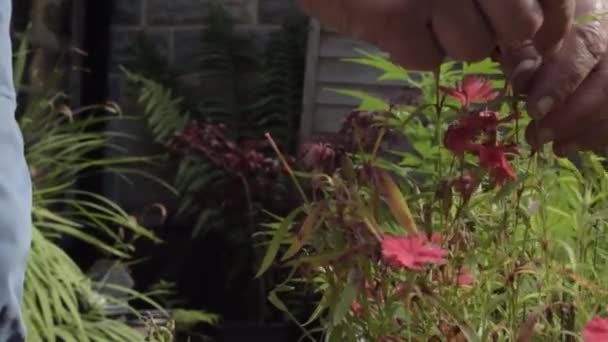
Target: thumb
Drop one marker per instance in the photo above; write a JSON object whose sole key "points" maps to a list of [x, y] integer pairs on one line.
{"points": [[520, 63]]}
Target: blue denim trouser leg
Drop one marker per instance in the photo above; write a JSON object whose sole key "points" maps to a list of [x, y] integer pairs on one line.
{"points": [[15, 195]]}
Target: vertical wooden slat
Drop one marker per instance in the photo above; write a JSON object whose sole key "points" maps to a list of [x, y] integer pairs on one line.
{"points": [[76, 42], [323, 110], [310, 81]]}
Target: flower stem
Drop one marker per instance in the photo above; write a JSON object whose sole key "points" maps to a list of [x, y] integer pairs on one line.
{"points": [[288, 168], [439, 101]]}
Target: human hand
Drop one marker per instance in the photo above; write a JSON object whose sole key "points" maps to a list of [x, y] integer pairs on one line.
{"points": [[419, 34], [568, 95]]}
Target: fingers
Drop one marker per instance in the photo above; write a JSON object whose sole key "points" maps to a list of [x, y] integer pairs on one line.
{"points": [[557, 22], [578, 118], [419, 33], [595, 141], [461, 30], [419, 51], [513, 21], [399, 27], [410, 42], [563, 72], [520, 64]]}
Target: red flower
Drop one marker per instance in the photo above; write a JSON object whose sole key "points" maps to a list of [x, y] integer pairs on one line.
{"points": [[492, 157], [596, 330], [459, 139], [438, 238], [318, 155], [471, 90], [357, 308], [465, 185], [411, 252], [464, 278]]}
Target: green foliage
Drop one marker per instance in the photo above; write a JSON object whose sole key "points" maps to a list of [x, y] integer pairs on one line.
{"points": [[278, 104], [536, 247], [227, 73], [59, 301], [251, 93], [187, 319], [163, 111]]}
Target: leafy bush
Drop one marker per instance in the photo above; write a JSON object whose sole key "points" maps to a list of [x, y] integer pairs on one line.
{"points": [[212, 131], [466, 235], [60, 300], [248, 93]]}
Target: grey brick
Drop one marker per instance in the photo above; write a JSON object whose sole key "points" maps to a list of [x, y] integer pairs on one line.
{"points": [[127, 12], [187, 49], [259, 36], [176, 12], [124, 41], [116, 88], [275, 11], [194, 12]]}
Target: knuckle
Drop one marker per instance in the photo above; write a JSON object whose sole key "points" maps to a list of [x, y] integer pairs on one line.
{"points": [[594, 39], [529, 24]]}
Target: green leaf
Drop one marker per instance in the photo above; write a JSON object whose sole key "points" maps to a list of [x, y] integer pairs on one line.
{"points": [[369, 102], [342, 307], [305, 232], [391, 71], [277, 239], [185, 320], [466, 329]]}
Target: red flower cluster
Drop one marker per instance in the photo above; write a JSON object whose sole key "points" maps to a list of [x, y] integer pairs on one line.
{"points": [[493, 158], [596, 330], [476, 133], [471, 90], [359, 130], [411, 252], [210, 141], [243, 160]]}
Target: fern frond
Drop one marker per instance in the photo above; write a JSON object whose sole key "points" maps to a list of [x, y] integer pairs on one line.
{"points": [[162, 109]]}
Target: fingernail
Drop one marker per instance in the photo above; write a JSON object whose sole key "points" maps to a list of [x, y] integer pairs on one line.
{"points": [[526, 65], [523, 72], [543, 107]]}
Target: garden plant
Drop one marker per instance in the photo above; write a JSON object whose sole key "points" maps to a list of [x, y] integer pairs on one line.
{"points": [[468, 234], [62, 302]]}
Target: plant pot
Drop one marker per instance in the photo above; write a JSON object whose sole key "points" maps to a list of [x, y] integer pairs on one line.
{"points": [[253, 332]]}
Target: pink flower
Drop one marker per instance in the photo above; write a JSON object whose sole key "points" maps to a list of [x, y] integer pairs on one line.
{"points": [[465, 277], [318, 155], [596, 330], [471, 90], [438, 238], [493, 158], [465, 185], [357, 308], [411, 252]]}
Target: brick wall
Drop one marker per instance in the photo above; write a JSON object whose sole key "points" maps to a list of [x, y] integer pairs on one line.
{"points": [[175, 27]]}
